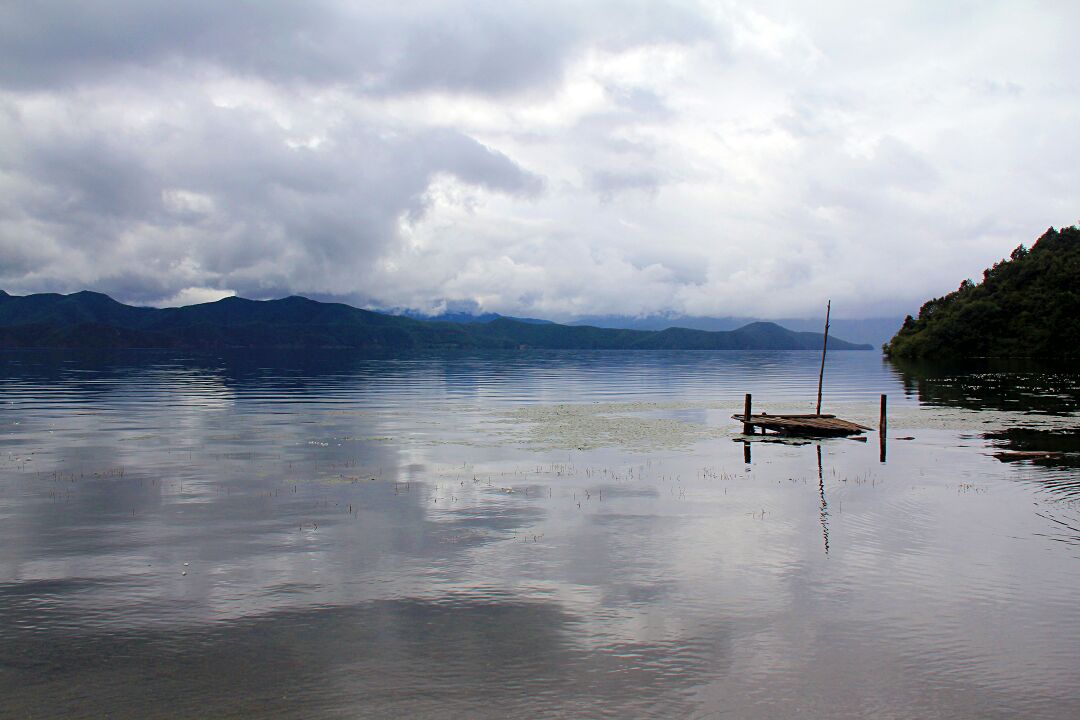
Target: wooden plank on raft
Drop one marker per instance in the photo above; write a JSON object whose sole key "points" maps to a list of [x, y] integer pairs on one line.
{"points": [[803, 424]]}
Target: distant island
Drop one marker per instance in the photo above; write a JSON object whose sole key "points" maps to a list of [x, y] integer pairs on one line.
{"points": [[93, 320], [1025, 306]]}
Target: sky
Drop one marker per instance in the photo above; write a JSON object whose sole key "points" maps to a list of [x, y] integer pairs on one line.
{"points": [[552, 159]]}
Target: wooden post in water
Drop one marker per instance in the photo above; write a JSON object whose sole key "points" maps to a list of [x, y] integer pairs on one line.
{"points": [[883, 426], [824, 345], [747, 428]]}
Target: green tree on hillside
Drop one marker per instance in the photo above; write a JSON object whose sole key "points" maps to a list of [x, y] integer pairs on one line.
{"points": [[1026, 306]]}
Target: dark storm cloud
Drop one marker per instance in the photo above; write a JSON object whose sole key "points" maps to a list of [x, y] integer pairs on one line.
{"points": [[494, 47], [53, 42], [90, 175], [489, 169]]}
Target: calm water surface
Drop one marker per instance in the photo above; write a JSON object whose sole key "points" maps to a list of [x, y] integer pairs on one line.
{"points": [[532, 535]]}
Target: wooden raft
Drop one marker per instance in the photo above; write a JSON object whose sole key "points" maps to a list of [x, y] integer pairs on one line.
{"points": [[803, 425]]}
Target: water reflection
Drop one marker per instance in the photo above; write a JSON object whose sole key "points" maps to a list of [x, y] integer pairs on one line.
{"points": [[993, 384], [347, 535], [1030, 391], [824, 502], [476, 655]]}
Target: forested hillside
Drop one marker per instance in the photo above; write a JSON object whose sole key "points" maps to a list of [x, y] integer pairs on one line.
{"points": [[93, 320], [1026, 306]]}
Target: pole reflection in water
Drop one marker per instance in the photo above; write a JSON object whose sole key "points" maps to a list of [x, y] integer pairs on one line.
{"points": [[824, 503], [823, 512], [883, 428]]}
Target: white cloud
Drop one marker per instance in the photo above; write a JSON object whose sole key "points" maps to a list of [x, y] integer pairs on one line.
{"points": [[195, 296]]}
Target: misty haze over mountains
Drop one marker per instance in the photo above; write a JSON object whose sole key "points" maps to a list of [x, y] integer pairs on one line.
{"points": [[872, 331]]}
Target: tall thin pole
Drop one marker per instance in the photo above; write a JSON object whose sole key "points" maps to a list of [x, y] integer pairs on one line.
{"points": [[824, 346]]}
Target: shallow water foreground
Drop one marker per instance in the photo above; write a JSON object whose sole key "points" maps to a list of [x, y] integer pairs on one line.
{"points": [[532, 535]]}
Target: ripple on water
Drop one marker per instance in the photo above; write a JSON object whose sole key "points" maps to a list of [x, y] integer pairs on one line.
{"points": [[521, 535]]}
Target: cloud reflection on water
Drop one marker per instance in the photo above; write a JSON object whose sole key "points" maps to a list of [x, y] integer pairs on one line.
{"points": [[332, 573]]}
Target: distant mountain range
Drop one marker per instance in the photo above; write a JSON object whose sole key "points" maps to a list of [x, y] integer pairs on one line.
{"points": [[874, 331], [93, 320]]}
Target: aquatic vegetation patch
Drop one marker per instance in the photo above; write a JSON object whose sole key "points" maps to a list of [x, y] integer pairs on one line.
{"points": [[596, 425]]}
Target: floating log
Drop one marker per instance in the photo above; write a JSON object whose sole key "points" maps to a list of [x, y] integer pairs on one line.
{"points": [[803, 425], [1007, 455]]}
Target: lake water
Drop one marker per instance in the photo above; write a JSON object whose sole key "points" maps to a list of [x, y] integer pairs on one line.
{"points": [[532, 535]]}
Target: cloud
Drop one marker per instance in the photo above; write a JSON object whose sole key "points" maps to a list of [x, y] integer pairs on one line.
{"points": [[544, 160], [196, 296], [607, 183], [221, 197], [487, 47]]}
